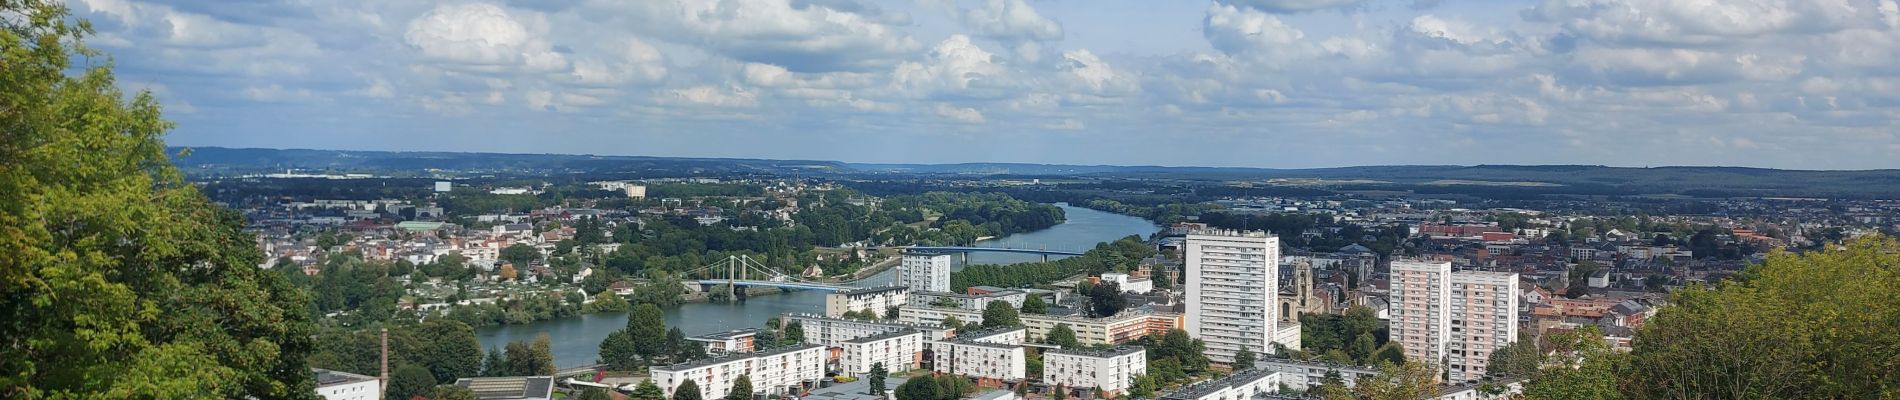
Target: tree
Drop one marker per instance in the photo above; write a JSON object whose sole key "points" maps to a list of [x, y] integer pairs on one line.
{"points": [[452, 392], [999, 314], [1244, 360], [1143, 388], [1584, 368], [1105, 299], [1811, 325], [646, 329], [520, 254], [647, 391], [1061, 335], [529, 358], [1398, 382], [741, 388], [794, 334], [919, 388], [1391, 352], [876, 380], [952, 323], [1363, 349], [120, 278], [687, 391], [1059, 393], [618, 351], [1518, 359], [594, 394], [507, 272], [1034, 305], [449, 349], [495, 364], [608, 301], [409, 381]]}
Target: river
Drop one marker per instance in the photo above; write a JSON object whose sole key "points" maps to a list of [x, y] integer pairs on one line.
{"points": [[576, 340]]}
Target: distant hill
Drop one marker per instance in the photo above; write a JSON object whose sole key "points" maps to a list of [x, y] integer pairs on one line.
{"points": [[1489, 180]]}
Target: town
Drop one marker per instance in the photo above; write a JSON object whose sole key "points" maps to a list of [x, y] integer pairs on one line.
{"points": [[1250, 297]]}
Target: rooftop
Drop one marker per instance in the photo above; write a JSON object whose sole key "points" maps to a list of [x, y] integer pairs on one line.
{"points": [[1202, 389], [885, 335], [872, 290], [741, 356], [1101, 353], [509, 387], [327, 377], [727, 335]]}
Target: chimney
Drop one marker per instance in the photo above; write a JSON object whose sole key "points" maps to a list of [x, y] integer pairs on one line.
{"points": [[383, 380]]}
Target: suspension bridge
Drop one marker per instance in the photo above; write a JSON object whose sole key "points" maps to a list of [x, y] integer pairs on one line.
{"points": [[743, 271]]}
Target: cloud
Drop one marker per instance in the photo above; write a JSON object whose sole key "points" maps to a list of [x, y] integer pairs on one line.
{"points": [[730, 97], [804, 36], [1293, 6], [1248, 32], [964, 115], [480, 34], [956, 67], [1011, 21]]}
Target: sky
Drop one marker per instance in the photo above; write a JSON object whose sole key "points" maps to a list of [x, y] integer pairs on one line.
{"points": [[1263, 83]]}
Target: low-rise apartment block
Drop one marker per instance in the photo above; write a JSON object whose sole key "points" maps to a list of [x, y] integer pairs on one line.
{"points": [[1124, 327], [1244, 385], [878, 300], [898, 351], [778, 371], [988, 355], [1111, 371]]}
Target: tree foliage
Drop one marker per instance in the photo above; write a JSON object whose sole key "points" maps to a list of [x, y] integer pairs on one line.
{"points": [[119, 278], [999, 314], [687, 390], [1034, 305], [409, 381]]}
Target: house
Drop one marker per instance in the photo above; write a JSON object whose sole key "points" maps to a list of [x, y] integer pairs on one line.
{"points": [[510, 387], [339, 385]]}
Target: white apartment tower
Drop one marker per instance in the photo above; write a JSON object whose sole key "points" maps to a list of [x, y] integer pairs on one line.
{"points": [[1483, 320], [925, 272], [1232, 291], [1453, 320]]}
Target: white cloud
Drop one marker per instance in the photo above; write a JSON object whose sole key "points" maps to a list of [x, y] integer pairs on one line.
{"points": [[1067, 124], [1251, 33], [806, 37], [1010, 21], [1293, 6], [960, 114], [955, 66], [714, 96], [480, 34]]}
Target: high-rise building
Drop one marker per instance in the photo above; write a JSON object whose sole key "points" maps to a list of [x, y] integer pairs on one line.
{"points": [[1453, 320], [925, 271], [1483, 320], [1232, 285]]}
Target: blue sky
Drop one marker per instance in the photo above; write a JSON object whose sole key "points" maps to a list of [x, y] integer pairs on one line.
{"points": [[1268, 83]]}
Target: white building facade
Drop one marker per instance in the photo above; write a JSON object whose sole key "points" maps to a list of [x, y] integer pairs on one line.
{"points": [[1455, 320], [1232, 291], [339, 385], [1111, 370], [925, 272], [772, 372], [833, 332], [898, 351], [994, 355], [874, 299]]}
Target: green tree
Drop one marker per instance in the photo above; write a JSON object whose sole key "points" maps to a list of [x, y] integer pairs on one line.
{"points": [[1035, 305], [952, 323], [618, 351], [999, 314], [1363, 350], [647, 391], [687, 391], [1584, 368], [409, 381], [877, 378], [608, 301], [1244, 360], [1061, 335], [741, 388], [1060, 392], [449, 349], [1144, 387], [794, 334], [494, 364], [452, 392], [529, 358], [119, 278], [646, 329], [594, 394], [1518, 359], [918, 388], [1812, 325], [520, 255], [1398, 382]]}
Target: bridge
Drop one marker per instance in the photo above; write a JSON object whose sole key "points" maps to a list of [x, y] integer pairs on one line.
{"points": [[973, 249], [708, 283]]}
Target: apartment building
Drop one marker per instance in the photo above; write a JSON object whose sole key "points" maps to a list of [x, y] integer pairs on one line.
{"points": [[733, 341], [1232, 290], [778, 371], [1302, 375], [1111, 370], [1453, 320], [1124, 327], [898, 351], [833, 332], [925, 271], [1483, 320], [988, 355], [972, 301], [1244, 385], [878, 300]]}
